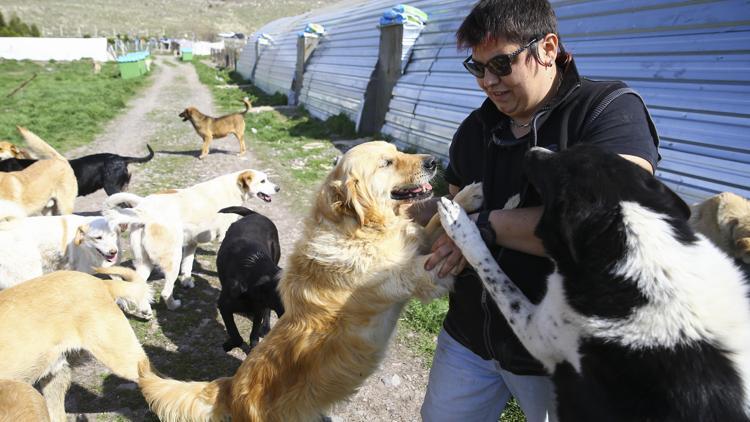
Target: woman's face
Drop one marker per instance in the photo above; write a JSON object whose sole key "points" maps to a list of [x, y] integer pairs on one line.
{"points": [[519, 94]]}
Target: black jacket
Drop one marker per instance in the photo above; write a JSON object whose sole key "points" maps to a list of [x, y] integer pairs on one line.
{"points": [[484, 149]]}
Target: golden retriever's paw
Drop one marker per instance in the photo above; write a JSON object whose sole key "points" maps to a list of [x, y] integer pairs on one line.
{"points": [[202, 156], [464, 233], [172, 303], [187, 281], [471, 197]]}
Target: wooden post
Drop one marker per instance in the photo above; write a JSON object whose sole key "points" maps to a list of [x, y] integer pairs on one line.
{"points": [[305, 48], [383, 79]]}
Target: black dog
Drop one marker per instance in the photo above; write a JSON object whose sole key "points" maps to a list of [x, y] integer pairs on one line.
{"points": [[642, 319], [247, 263], [93, 172]]}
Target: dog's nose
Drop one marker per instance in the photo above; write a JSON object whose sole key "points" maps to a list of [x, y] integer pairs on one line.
{"points": [[277, 188], [430, 163], [112, 251]]}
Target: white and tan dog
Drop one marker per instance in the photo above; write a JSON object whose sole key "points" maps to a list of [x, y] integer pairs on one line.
{"points": [[32, 246], [43, 319], [175, 218]]}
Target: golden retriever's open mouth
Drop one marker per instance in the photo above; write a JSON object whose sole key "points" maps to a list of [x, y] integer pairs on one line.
{"points": [[412, 192], [263, 196]]}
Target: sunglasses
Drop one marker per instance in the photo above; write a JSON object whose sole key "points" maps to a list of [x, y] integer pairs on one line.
{"points": [[499, 65]]}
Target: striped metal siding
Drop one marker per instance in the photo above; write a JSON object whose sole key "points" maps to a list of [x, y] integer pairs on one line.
{"points": [[435, 93], [275, 69], [689, 59], [247, 59], [337, 73]]}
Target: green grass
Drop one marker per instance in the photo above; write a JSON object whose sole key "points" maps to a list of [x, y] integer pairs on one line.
{"points": [[66, 103], [303, 146]]}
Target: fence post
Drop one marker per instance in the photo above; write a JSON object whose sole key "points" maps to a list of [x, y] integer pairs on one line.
{"points": [[305, 47], [383, 79], [257, 57]]}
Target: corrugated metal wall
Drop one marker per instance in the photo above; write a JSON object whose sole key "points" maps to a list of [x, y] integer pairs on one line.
{"points": [[275, 69], [689, 59], [275, 29], [337, 73]]}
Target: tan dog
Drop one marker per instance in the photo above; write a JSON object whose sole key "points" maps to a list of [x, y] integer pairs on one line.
{"points": [[45, 187], [352, 271], [20, 402], [172, 223], [217, 127], [8, 150], [43, 319], [725, 220]]}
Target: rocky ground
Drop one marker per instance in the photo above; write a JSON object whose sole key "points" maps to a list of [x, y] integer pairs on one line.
{"points": [[186, 344]]}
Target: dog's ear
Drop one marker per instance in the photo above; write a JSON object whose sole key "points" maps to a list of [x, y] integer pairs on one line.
{"points": [[361, 201], [244, 180], [15, 151], [80, 234]]}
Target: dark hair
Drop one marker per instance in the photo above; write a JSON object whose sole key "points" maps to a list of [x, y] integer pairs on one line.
{"points": [[517, 21]]}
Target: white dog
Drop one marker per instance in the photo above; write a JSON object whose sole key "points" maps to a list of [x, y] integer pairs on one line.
{"points": [[175, 221], [32, 246]]}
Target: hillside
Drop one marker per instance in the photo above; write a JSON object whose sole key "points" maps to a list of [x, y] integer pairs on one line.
{"points": [[175, 18]]}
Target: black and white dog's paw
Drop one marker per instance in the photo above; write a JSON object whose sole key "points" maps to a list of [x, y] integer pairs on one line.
{"points": [[461, 229]]}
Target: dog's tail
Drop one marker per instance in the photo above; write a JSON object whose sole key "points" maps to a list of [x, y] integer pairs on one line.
{"points": [[141, 159], [248, 105], [37, 144], [174, 401], [121, 200], [133, 290], [237, 210]]}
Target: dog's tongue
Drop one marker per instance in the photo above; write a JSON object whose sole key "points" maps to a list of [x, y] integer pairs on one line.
{"points": [[111, 258], [424, 187]]}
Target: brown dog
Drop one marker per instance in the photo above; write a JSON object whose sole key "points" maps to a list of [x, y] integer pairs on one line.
{"points": [[47, 186], [43, 319], [725, 220], [20, 402], [217, 127], [355, 267]]}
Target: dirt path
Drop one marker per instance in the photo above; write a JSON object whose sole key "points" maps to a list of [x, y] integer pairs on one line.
{"points": [[186, 344]]}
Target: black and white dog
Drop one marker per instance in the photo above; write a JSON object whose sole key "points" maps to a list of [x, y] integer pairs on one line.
{"points": [[643, 320], [247, 263], [93, 172]]}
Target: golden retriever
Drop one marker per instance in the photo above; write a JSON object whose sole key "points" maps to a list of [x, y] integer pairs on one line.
{"points": [[47, 186], [725, 220], [209, 127], [356, 265], [20, 402], [43, 319]]}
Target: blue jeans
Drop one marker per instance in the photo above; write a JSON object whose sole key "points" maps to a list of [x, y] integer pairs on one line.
{"points": [[465, 387]]}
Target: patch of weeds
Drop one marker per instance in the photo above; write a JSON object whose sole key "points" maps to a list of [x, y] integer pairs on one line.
{"points": [[425, 322], [227, 99], [65, 103]]}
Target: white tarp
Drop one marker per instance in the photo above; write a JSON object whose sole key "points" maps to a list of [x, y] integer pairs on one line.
{"points": [[43, 49], [203, 48]]}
